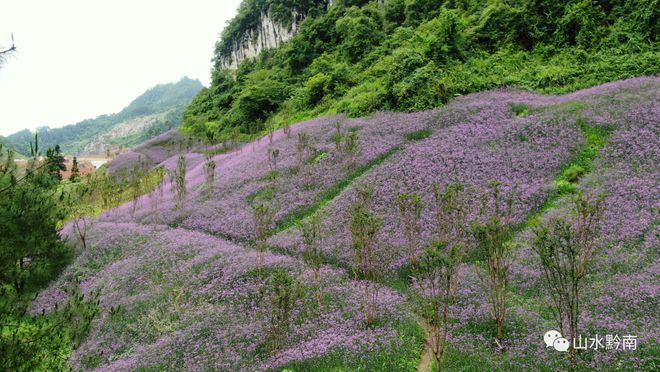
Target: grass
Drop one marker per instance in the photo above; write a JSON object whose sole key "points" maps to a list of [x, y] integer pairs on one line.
{"points": [[566, 182], [402, 355], [419, 135], [521, 110], [325, 197]]}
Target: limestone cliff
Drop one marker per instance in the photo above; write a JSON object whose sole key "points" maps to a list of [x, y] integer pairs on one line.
{"points": [[268, 33]]}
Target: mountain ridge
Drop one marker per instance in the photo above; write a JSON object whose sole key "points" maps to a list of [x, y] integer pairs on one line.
{"points": [[164, 102]]}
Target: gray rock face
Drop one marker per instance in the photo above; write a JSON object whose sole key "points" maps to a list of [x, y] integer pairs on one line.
{"points": [[100, 143], [268, 34]]}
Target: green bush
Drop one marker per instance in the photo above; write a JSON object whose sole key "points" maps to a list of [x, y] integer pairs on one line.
{"points": [[361, 56], [359, 31], [363, 99]]}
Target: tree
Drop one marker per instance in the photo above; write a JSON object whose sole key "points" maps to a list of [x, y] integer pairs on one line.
{"points": [[284, 292], [410, 214], [263, 213], [493, 236], [310, 230], [302, 146], [30, 210], [9, 51], [179, 176], [566, 248], [360, 31], [55, 162], [437, 283], [209, 170], [436, 279], [75, 174], [367, 262], [31, 254], [80, 203], [273, 158]]}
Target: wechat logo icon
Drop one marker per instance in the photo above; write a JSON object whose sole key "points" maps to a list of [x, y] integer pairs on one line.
{"points": [[554, 339]]}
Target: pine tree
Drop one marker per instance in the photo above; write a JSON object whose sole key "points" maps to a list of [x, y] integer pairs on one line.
{"points": [[75, 174], [55, 162]]}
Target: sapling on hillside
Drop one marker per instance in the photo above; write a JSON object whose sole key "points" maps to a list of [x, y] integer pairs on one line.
{"points": [[437, 283], [287, 129], [302, 147], [273, 157], [179, 176], [410, 213], [437, 272], [310, 230], [263, 213], [337, 137], [209, 170], [284, 293], [367, 261], [271, 133], [352, 146], [81, 209], [492, 236], [566, 248], [452, 212]]}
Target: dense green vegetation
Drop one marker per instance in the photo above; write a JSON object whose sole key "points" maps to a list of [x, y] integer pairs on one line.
{"points": [[32, 207], [7, 144], [169, 99], [404, 55], [35, 203]]}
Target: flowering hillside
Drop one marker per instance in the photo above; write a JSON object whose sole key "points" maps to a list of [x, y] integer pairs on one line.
{"points": [[188, 280]]}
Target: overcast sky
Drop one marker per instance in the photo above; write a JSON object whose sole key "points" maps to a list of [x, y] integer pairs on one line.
{"points": [[78, 59]]}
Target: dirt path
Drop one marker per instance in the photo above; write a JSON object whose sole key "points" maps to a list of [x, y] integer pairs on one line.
{"points": [[427, 355]]}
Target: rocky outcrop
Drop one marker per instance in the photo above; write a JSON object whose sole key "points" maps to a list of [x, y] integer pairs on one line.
{"points": [[102, 142], [269, 33]]}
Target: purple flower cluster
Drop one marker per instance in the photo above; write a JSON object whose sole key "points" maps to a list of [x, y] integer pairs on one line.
{"points": [[477, 139], [185, 299]]}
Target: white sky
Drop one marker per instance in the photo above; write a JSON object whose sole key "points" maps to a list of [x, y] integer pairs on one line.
{"points": [[78, 59]]}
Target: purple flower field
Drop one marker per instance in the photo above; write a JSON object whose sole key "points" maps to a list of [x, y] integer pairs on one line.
{"points": [[181, 285], [189, 300]]}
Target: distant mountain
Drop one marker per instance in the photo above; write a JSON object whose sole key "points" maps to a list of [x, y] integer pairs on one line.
{"points": [[7, 144], [155, 111]]}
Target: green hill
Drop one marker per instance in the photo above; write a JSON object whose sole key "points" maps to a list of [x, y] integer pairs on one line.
{"points": [[358, 57], [155, 111], [7, 144]]}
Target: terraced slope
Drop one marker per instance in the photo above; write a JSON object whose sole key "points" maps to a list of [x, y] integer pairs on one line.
{"points": [[184, 287]]}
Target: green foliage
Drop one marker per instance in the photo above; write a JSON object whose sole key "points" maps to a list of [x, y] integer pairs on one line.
{"points": [[32, 208], [495, 250], [419, 135], [75, 173], [520, 109], [261, 96], [284, 293], [358, 57], [359, 31], [55, 163], [566, 248]]}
